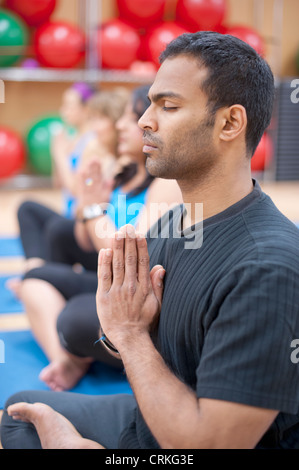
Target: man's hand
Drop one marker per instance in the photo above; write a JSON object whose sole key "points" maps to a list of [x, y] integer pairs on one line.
{"points": [[129, 296]]}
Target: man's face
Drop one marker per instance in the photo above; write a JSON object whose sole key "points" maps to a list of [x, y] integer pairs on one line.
{"points": [[178, 128]]}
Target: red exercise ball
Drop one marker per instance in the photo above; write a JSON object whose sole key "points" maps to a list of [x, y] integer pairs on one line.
{"points": [[143, 68], [12, 152], [157, 39], [201, 14], [34, 12], [263, 154], [117, 44], [59, 44], [248, 35], [141, 13]]}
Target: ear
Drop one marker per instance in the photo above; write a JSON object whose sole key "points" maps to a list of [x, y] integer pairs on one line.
{"points": [[233, 122]]}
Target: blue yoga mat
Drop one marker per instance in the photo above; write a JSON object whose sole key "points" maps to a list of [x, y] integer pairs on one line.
{"points": [[10, 247], [21, 361], [8, 302]]}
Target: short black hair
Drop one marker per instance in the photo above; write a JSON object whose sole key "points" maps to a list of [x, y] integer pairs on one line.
{"points": [[237, 75]]}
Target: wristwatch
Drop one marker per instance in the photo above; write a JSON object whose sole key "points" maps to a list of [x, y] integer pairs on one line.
{"points": [[107, 344], [91, 212]]}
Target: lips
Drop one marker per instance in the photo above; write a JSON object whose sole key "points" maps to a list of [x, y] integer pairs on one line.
{"points": [[148, 146]]}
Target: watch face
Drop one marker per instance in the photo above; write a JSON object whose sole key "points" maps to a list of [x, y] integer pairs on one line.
{"points": [[93, 211]]}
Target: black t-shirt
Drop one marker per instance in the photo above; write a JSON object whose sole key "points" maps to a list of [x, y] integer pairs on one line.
{"points": [[230, 311]]}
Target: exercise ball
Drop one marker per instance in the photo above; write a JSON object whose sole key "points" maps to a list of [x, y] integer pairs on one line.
{"points": [[38, 141], [159, 36], [143, 68], [34, 12], [12, 152], [248, 35], [201, 14], [117, 45], [59, 44], [263, 154], [141, 13], [13, 38]]}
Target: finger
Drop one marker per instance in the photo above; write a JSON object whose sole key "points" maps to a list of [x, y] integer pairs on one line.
{"points": [[95, 169], [130, 256], [118, 258], [81, 177], [155, 269], [143, 261], [100, 256], [105, 270], [158, 284]]}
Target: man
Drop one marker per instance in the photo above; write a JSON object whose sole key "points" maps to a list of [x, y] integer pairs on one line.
{"points": [[207, 354]]}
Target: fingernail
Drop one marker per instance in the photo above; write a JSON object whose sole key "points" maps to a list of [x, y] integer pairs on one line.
{"points": [[100, 255], [131, 231], [162, 274], [108, 252], [119, 236], [140, 236]]}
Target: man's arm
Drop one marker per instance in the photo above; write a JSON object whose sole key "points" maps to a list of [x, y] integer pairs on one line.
{"points": [[129, 302]]}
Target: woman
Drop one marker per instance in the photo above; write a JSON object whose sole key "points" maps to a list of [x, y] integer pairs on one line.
{"points": [[45, 234], [55, 292]]}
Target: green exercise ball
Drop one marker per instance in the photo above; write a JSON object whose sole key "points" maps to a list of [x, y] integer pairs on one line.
{"points": [[13, 38], [38, 141]]}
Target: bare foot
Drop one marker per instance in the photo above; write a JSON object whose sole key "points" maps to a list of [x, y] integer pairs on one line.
{"points": [[65, 373], [14, 284], [53, 429]]}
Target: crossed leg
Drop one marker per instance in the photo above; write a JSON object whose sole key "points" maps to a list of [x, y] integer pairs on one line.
{"points": [[64, 420]]}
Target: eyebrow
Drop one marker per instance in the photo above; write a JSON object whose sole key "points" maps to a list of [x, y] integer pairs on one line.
{"points": [[167, 94]]}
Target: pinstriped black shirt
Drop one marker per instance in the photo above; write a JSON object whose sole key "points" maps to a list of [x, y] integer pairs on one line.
{"points": [[230, 311]]}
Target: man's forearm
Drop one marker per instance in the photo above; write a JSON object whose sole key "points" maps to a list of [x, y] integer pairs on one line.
{"points": [[168, 406]]}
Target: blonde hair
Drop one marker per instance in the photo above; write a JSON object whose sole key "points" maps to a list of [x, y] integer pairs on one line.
{"points": [[110, 103]]}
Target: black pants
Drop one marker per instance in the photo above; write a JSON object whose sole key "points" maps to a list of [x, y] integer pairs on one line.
{"points": [[78, 324], [48, 235], [99, 418]]}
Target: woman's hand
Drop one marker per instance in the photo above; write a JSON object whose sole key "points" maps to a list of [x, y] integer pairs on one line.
{"points": [[92, 187]]}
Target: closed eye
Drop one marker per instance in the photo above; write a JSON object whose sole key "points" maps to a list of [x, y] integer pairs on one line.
{"points": [[169, 108]]}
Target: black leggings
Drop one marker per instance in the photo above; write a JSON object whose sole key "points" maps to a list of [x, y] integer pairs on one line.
{"points": [[78, 324], [48, 235], [99, 418]]}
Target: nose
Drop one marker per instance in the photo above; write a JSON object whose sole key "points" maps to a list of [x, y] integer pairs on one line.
{"points": [[148, 121]]}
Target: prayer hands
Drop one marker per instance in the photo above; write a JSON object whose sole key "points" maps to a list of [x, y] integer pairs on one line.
{"points": [[129, 295]]}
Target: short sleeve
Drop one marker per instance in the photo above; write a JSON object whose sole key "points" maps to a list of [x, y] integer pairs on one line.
{"points": [[246, 357]]}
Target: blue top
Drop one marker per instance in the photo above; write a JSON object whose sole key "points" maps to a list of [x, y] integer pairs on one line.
{"points": [[124, 208], [74, 161]]}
